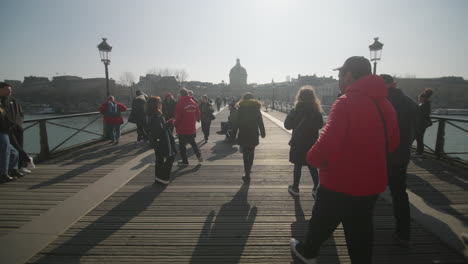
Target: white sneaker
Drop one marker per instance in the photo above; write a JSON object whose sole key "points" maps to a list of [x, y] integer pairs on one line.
{"points": [[25, 170], [293, 243], [31, 163]]}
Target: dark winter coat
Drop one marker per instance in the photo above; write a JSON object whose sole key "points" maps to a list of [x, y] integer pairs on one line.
{"points": [[249, 121], [407, 115], [305, 122], [168, 107], [425, 115], [14, 112], [160, 136], [4, 123], [206, 112], [138, 114]]}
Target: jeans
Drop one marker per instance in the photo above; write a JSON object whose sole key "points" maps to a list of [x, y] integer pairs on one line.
{"points": [[248, 155], [113, 131], [297, 176], [420, 141], [354, 212], [183, 140], [206, 129], [9, 155], [163, 166], [401, 209]]}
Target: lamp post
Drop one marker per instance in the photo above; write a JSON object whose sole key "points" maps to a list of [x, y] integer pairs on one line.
{"points": [[104, 50], [375, 52], [273, 100]]}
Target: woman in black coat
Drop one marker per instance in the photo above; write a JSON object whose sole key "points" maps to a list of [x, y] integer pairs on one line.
{"points": [[249, 121], [161, 140], [424, 119], [305, 120]]}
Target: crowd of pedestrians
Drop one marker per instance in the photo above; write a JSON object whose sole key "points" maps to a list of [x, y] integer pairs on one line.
{"points": [[363, 147]]}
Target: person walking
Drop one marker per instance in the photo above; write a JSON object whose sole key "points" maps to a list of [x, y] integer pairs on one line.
{"points": [[161, 140], [305, 119], [138, 116], [206, 111], [187, 114], [249, 121], [407, 114], [424, 120], [218, 102], [112, 112], [351, 154], [168, 107]]}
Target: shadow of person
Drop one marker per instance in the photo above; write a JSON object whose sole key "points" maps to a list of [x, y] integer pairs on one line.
{"points": [[94, 234], [222, 150], [226, 237], [329, 252]]}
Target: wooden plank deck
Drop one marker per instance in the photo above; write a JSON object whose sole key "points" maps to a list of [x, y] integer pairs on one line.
{"points": [[206, 214]]}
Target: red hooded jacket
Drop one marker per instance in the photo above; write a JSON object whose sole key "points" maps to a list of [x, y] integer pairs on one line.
{"points": [[350, 152], [187, 114], [112, 118]]}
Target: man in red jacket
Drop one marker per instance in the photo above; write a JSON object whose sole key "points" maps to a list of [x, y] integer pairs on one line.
{"points": [[112, 111], [187, 114], [351, 155]]}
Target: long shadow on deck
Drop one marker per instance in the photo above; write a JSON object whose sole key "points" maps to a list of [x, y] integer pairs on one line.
{"points": [[221, 150], [72, 250], [226, 238], [102, 156], [431, 194]]}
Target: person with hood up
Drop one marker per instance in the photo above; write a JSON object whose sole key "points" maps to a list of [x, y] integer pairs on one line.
{"points": [[112, 112], [187, 114], [138, 116], [161, 140], [305, 119], [249, 121], [351, 155]]}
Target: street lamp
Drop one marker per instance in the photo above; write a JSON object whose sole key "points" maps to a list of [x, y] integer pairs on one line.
{"points": [[273, 100], [375, 52], [104, 50]]}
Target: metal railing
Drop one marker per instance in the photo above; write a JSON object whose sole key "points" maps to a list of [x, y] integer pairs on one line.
{"points": [[44, 137], [449, 142]]}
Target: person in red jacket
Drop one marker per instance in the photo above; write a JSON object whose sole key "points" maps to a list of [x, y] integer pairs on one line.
{"points": [[351, 154], [187, 114], [112, 112]]}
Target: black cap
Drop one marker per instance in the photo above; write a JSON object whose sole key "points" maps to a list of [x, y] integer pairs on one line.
{"points": [[357, 65], [387, 78]]}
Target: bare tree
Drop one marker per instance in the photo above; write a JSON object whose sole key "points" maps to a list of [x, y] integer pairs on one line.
{"points": [[126, 78], [182, 75]]}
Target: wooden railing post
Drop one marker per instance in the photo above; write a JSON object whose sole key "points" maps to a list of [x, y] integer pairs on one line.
{"points": [[44, 140], [440, 140]]}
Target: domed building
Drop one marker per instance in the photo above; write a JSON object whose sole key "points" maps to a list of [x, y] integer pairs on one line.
{"points": [[238, 76]]}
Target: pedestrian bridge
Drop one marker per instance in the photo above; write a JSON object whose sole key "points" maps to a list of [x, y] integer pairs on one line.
{"points": [[98, 204]]}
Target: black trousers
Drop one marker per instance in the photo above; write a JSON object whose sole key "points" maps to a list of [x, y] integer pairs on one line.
{"points": [[206, 129], [248, 155], [298, 172], [354, 212], [420, 140], [163, 166], [183, 140], [401, 209], [142, 131]]}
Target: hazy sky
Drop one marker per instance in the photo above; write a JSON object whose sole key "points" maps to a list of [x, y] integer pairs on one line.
{"points": [[272, 38]]}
